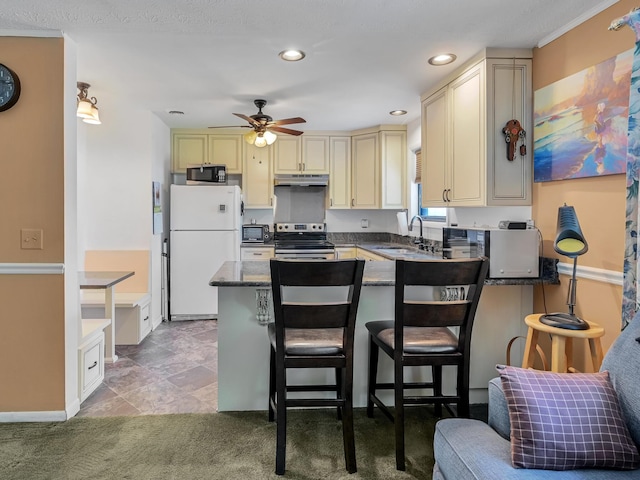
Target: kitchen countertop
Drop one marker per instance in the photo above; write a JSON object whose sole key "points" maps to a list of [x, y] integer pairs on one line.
{"points": [[376, 273]]}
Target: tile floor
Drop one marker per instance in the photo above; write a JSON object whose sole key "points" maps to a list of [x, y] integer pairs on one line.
{"points": [[173, 370]]}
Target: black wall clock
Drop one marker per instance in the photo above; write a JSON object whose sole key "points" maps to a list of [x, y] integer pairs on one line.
{"points": [[9, 88]]}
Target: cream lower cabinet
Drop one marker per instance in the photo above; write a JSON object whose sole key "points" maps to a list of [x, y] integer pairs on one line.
{"points": [[257, 253], [346, 252], [464, 153], [257, 177], [368, 256]]}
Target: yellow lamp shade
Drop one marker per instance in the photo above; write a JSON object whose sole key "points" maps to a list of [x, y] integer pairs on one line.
{"points": [[250, 137], [94, 118], [84, 109]]}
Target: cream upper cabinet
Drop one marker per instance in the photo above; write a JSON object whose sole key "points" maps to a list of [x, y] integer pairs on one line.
{"points": [[315, 154], [464, 159], [202, 147], [287, 156], [393, 174], [434, 146], [365, 180], [226, 150], [378, 172], [340, 172], [188, 149], [257, 177]]}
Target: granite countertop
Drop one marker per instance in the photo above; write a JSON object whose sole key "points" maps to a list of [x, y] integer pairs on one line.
{"points": [[380, 273]]}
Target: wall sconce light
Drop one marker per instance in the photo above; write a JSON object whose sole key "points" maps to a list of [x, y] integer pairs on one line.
{"points": [[571, 243], [87, 109], [260, 139]]}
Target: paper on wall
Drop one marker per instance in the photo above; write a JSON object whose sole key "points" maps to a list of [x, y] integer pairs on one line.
{"points": [[403, 228]]}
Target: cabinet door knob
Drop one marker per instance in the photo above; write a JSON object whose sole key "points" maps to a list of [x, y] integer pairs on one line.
{"points": [[352, 202], [443, 195], [95, 364]]}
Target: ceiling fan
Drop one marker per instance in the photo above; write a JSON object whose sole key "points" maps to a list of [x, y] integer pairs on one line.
{"points": [[264, 126]]}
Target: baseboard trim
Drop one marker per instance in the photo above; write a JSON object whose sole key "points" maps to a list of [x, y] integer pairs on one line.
{"points": [[53, 416], [592, 273], [31, 268]]}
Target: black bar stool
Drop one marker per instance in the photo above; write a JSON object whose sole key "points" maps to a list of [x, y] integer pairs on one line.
{"points": [[420, 326], [314, 332]]}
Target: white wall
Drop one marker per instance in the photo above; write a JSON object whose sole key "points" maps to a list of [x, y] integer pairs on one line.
{"points": [[118, 160]]}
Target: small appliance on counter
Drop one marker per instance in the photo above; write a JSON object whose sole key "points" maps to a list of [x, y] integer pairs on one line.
{"points": [[206, 174], [511, 253], [255, 233]]}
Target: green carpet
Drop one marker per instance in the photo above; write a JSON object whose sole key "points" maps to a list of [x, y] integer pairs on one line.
{"points": [[236, 445]]}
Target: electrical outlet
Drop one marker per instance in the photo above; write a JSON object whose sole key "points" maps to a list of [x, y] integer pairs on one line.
{"points": [[364, 223], [31, 239]]}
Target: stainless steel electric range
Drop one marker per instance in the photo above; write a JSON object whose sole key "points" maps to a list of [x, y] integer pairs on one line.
{"points": [[302, 241]]}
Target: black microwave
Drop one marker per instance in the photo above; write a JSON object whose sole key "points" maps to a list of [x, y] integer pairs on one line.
{"points": [[206, 174]]}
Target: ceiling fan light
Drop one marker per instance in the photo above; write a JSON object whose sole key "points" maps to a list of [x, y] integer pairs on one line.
{"points": [[250, 137], [260, 141], [270, 137]]}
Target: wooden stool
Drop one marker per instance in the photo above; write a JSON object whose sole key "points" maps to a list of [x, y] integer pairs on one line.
{"points": [[561, 344]]}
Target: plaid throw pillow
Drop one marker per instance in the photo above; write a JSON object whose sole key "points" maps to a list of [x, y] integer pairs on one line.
{"points": [[562, 421]]}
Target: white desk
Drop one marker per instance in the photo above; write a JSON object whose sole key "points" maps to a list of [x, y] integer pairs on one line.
{"points": [[106, 281]]}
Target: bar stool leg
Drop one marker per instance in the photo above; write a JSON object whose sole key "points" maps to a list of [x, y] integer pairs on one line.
{"points": [[558, 354], [596, 353], [530, 348], [568, 353]]}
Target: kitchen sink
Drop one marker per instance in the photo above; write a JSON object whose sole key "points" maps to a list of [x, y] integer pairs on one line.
{"points": [[395, 250], [398, 252]]}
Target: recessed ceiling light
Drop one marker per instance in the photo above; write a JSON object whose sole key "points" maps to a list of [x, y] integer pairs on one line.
{"points": [[397, 112], [442, 59], [291, 55]]}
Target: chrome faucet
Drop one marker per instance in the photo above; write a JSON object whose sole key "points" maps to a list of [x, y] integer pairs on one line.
{"points": [[420, 241]]}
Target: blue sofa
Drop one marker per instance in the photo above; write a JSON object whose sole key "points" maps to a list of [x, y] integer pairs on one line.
{"points": [[471, 449]]}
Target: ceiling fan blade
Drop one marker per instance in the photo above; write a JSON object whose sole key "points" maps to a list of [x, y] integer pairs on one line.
{"points": [[233, 126], [284, 130], [288, 121], [248, 119]]}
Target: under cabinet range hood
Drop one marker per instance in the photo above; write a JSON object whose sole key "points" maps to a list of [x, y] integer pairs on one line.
{"points": [[301, 180]]}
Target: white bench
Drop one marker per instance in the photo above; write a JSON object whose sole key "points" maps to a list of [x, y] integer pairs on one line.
{"points": [[132, 298]]}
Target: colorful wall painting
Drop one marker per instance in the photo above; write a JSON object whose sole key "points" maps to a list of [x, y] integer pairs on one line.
{"points": [[580, 122]]}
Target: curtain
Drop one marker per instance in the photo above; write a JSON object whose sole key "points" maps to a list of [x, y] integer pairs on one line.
{"points": [[630, 299]]}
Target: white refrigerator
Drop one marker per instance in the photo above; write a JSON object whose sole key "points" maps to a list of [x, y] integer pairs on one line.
{"points": [[205, 232]]}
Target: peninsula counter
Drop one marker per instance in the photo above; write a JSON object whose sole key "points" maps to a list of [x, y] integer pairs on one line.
{"points": [[243, 346]]}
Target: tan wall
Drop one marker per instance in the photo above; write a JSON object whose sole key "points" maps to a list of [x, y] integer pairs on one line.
{"points": [[599, 201], [32, 196]]}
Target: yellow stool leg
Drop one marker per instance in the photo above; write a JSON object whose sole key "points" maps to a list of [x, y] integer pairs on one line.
{"points": [[530, 348], [558, 354], [596, 353]]}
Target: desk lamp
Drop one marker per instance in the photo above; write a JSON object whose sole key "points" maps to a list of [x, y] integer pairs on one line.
{"points": [[571, 243]]}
